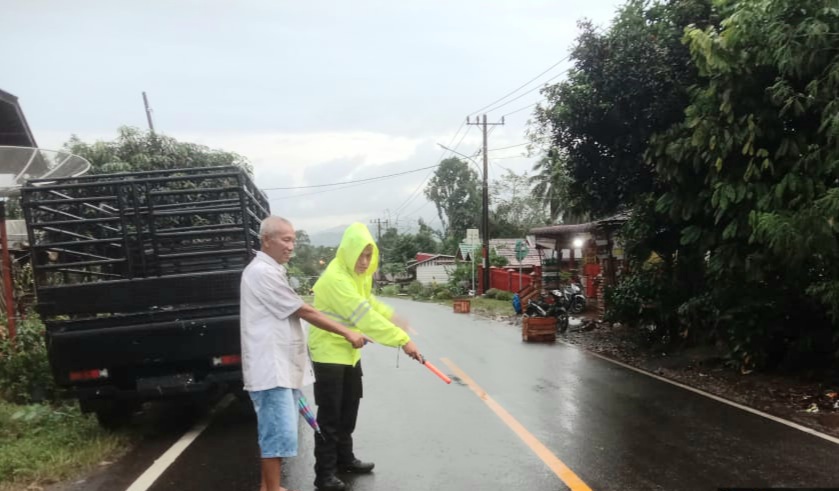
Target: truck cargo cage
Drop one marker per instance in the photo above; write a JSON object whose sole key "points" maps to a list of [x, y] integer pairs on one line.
{"points": [[180, 236]]}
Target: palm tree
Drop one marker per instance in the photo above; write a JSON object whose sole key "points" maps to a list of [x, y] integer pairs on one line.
{"points": [[551, 183]]}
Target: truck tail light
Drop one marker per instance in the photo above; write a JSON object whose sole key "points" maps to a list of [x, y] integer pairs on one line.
{"points": [[226, 360], [88, 375]]}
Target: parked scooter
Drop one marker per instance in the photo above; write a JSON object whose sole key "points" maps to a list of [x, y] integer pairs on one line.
{"points": [[558, 308], [576, 297]]}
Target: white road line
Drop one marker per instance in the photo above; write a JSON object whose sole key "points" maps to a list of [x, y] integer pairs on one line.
{"points": [[757, 412], [147, 478]]}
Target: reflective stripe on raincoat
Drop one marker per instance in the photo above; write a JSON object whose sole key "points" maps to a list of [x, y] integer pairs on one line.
{"points": [[346, 297]]}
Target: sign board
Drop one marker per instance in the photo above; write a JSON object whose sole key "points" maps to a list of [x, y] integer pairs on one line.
{"points": [[468, 249], [521, 250], [472, 236]]}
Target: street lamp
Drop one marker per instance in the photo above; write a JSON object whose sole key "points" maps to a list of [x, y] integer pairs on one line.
{"points": [[578, 243], [485, 214], [464, 156]]}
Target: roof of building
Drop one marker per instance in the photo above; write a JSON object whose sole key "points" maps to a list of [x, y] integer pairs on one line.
{"points": [[445, 257], [579, 228], [422, 256], [507, 248], [14, 130]]}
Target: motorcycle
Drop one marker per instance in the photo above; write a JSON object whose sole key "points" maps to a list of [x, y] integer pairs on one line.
{"points": [[576, 297], [558, 308]]}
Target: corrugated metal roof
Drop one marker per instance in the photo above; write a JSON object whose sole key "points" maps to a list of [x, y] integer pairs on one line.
{"points": [[507, 249], [444, 257], [14, 130], [579, 228]]}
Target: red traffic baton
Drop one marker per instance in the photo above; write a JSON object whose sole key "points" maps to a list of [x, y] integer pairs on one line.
{"points": [[435, 370]]}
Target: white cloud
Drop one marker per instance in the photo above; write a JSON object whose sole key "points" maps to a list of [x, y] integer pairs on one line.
{"points": [[294, 152]]}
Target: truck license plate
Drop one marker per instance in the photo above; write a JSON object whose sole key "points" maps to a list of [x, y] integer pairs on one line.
{"points": [[165, 382]]}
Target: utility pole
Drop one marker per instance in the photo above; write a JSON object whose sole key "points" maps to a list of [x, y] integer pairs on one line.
{"points": [[485, 217], [148, 111], [378, 223]]}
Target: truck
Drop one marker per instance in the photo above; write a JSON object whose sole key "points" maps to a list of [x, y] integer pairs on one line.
{"points": [[137, 281]]}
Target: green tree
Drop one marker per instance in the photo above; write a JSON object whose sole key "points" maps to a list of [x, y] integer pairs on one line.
{"points": [[455, 191], [515, 210], [552, 185], [627, 84], [752, 173], [139, 150], [401, 248]]}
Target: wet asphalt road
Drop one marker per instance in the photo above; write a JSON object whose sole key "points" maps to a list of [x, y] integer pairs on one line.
{"points": [[614, 428]]}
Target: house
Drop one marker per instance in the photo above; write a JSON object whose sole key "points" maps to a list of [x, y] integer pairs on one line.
{"points": [[14, 130], [433, 268], [506, 248]]}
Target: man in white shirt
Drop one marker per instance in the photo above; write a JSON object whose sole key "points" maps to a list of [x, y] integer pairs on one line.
{"points": [[275, 357]]}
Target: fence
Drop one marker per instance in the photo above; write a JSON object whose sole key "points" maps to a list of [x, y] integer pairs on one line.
{"points": [[504, 279]]}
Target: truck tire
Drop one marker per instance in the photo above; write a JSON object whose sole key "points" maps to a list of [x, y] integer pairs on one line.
{"points": [[115, 414]]}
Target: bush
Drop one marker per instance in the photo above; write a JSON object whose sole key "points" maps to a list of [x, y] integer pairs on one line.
{"points": [[492, 293], [460, 280], [25, 375], [635, 299], [390, 290], [504, 295], [426, 293], [415, 288], [443, 294], [699, 318]]}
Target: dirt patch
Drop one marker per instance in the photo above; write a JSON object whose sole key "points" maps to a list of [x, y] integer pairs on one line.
{"points": [[811, 401]]}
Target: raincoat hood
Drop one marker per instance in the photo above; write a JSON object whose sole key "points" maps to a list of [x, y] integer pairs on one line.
{"points": [[356, 238]]}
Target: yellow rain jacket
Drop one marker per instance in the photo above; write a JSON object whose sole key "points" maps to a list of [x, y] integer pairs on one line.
{"points": [[346, 297]]}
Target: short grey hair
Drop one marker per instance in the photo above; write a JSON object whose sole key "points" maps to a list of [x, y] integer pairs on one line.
{"points": [[271, 225]]}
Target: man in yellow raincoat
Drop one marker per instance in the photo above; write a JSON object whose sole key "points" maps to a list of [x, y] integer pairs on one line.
{"points": [[343, 292]]}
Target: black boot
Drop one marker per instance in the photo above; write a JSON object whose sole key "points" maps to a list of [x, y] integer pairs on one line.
{"points": [[356, 467], [329, 483]]}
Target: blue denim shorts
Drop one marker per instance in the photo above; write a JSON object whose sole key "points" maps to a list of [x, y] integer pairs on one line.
{"points": [[276, 422]]}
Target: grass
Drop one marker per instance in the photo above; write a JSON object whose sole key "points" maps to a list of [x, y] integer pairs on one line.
{"points": [[489, 307], [43, 444]]}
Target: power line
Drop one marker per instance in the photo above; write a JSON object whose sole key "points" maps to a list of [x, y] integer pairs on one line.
{"points": [[387, 176], [318, 192], [495, 108], [521, 86], [418, 209], [415, 193], [439, 160], [510, 146], [521, 109]]}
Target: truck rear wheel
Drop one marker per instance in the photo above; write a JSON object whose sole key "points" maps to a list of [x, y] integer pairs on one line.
{"points": [[115, 414]]}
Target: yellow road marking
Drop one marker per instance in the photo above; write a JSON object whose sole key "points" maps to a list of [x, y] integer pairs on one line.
{"points": [[562, 471]]}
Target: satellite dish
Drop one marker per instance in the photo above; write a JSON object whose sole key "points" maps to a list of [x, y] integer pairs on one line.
{"points": [[17, 164]]}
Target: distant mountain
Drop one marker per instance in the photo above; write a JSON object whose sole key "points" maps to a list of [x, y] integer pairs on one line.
{"points": [[330, 237]]}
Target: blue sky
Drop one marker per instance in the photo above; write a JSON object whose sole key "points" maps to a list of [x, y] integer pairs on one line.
{"points": [[311, 93]]}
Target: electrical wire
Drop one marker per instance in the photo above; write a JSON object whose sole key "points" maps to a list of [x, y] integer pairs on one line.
{"points": [[521, 86], [387, 176], [509, 146]]}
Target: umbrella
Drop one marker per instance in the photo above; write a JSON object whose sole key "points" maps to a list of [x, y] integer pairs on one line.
{"points": [[306, 412]]}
